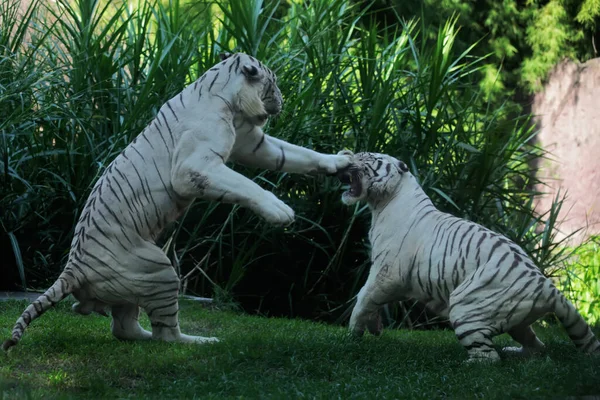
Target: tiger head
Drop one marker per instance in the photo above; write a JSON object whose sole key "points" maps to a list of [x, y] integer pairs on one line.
{"points": [[371, 176], [258, 96]]}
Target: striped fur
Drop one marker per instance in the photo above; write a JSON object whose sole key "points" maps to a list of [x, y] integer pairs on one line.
{"points": [[114, 262], [481, 281]]}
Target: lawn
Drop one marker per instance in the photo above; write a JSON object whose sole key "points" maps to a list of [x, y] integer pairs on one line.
{"points": [[65, 355]]}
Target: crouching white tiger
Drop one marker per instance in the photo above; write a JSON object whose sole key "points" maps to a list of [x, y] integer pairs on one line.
{"points": [[114, 261], [484, 283]]}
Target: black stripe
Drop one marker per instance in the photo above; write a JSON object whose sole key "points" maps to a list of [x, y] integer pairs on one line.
{"points": [[106, 236], [167, 264], [120, 189], [173, 111], [494, 247], [156, 209], [213, 82], [26, 317], [72, 275], [162, 181], [140, 154], [169, 315], [92, 238], [135, 199], [162, 307], [475, 345], [106, 280], [162, 137], [467, 333], [227, 102], [37, 306], [279, 166], [148, 225], [144, 136], [162, 325], [112, 191], [167, 124], [217, 154], [154, 294], [261, 141]]}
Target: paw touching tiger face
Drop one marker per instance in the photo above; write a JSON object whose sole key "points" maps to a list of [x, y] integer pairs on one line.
{"points": [[481, 281], [114, 262], [366, 178]]}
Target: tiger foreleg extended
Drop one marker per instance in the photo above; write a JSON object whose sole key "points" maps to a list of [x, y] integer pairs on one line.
{"points": [[258, 149], [200, 172]]}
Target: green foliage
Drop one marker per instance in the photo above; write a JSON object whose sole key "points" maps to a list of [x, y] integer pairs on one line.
{"points": [[581, 280], [524, 39], [68, 356], [94, 73], [551, 37]]}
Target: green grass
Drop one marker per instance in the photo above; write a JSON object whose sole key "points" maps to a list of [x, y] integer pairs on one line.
{"points": [[64, 355]]}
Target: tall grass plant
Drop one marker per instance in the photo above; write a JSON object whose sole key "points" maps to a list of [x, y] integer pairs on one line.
{"points": [[80, 78]]}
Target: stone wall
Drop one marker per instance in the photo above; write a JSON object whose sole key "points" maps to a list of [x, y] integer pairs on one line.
{"points": [[567, 114]]}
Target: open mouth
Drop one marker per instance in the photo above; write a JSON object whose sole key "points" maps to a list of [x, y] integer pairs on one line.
{"points": [[349, 176]]}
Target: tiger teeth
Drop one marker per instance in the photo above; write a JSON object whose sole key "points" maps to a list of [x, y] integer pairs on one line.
{"points": [[350, 178]]}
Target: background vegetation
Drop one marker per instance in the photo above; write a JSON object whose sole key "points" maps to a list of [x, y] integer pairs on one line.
{"points": [[524, 39], [79, 79]]}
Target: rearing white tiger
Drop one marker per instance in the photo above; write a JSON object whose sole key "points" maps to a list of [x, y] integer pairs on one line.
{"points": [[484, 283], [114, 261]]}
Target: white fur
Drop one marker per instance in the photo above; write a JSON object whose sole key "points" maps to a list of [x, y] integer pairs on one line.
{"points": [[181, 155], [481, 281]]}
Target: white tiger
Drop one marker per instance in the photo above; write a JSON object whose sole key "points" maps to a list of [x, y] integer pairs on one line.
{"points": [[114, 261], [481, 281]]}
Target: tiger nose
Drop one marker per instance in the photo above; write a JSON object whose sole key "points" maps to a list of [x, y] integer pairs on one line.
{"points": [[274, 109]]}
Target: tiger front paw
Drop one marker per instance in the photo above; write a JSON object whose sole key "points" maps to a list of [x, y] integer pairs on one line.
{"points": [[331, 164], [375, 325], [273, 210]]}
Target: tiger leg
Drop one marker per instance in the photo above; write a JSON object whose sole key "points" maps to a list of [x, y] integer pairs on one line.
{"points": [[529, 341], [473, 326], [163, 309], [475, 337], [164, 319], [125, 325], [365, 315]]}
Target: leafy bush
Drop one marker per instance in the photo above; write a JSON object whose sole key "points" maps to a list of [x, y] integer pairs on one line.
{"points": [[92, 75]]}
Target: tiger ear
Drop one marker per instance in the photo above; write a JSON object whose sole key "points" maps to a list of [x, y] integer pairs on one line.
{"points": [[402, 166], [224, 56], [345, 153], [251, 72]]}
